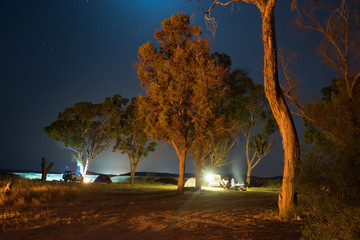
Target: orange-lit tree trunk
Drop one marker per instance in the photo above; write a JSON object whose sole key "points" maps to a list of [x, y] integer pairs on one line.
{"points": [[276, 100], [182, 159], [181, 152], [279, 108]]}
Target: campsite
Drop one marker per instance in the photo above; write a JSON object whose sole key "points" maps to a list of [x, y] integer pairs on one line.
{"points": [[148, 209]]}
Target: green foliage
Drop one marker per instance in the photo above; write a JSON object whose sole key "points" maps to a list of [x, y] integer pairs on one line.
{"points": [[249, 111], [337, 114], [329, 188], [130, 135], [83, 129], [128, 130], [133, 139]]}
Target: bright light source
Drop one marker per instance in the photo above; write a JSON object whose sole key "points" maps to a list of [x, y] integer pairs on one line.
{"points": [[209, 177]]}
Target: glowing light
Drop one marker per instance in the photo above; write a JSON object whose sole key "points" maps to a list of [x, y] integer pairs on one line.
{"points": [[213, 180], [209, 178]]}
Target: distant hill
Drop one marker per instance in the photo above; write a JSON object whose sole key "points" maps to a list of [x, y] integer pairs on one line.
{"points": [[157, 174]]}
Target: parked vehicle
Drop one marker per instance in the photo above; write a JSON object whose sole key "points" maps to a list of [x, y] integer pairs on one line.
{"points": [[72, 176]]}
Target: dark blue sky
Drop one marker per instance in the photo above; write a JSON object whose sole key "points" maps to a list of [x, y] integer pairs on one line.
{"points": [[60, 52]]}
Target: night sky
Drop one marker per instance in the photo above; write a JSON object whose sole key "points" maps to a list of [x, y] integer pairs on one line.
{"points": [[55, 53]]}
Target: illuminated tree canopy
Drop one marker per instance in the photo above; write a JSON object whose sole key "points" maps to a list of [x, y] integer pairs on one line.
{"points": [[183, 83]]}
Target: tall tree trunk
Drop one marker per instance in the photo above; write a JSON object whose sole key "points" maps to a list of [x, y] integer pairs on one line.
{"points": [[181, 152], [182, 158], [198, 172], [279, 109]]}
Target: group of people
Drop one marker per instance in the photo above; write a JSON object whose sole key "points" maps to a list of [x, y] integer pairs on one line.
{"points": [[231, 185]]}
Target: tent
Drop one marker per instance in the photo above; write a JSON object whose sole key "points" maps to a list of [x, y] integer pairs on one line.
{"points": [[103, 179], [190, 182]]}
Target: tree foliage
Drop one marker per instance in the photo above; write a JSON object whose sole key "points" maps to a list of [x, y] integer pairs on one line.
{"points": [[182, 83], [83, 129], [329, 176], [131, 138], [250, 113]]}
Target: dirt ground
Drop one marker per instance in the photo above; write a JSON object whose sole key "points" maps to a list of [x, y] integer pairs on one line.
{"points": [[154, 215]]}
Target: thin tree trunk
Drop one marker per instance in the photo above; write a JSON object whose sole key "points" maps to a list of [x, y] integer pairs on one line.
{"points": [[248, 158], [248, 176], [197, 173], [279, 109], [132, 174], [45, 170]]}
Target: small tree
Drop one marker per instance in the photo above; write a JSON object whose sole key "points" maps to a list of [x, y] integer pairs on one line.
{"points": [[132, 138], [249, 111], [182, 82], [83, 129]]}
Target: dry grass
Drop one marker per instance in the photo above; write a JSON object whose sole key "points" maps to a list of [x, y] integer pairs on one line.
{"points": [[145, 210]]}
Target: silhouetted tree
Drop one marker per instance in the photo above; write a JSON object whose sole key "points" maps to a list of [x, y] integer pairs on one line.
{"points": [[338, 23], [45, 170], [182, 83]]}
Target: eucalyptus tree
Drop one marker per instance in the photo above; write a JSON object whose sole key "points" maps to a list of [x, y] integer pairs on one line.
{"points": [[182, 82], [131, 138], [282, 115], [83, 129], [250, 113]]}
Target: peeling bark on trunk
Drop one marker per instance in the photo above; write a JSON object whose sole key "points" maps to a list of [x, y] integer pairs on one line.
{"points": [[279, 109]]}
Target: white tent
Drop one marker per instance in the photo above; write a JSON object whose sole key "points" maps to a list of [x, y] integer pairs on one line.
{"points": [[190, 182]]}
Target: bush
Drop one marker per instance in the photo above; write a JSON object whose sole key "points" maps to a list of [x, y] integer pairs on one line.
{"points": [[328, 184]]}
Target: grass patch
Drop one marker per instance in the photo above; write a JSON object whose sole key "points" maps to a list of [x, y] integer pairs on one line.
{"points": [[35, 192]]}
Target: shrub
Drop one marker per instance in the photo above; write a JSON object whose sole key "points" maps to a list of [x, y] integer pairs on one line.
{"points": [[328, 184]]}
